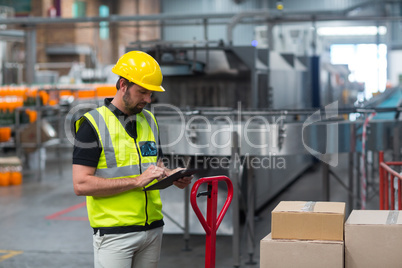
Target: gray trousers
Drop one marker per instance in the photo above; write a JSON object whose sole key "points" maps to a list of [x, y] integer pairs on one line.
{"points": [[131, 250]]}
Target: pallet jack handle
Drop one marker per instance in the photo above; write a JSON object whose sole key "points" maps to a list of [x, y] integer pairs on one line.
{"points": [[211, 224]]}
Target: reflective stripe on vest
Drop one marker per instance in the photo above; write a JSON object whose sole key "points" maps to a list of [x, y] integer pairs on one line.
{"points": [[110, 155], [109, 151]]}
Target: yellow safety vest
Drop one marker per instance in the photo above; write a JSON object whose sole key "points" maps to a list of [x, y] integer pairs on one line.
{"points": [[124, 157]]}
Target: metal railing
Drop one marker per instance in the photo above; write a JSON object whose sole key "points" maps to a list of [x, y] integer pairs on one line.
{"points": [[387, 184]]}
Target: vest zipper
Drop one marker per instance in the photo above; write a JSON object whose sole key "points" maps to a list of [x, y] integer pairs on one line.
{"points": [[145, 193]]}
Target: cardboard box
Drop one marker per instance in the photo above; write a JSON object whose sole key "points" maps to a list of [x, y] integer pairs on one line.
{"points": [[308, 220], [28, 134], [373, 238], [301, 253]]}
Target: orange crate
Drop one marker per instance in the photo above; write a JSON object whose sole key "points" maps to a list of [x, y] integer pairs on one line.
{"points": [[106, 91], [15, 178], [86, 94], [4, 178], [66, 93], [5, 134]]}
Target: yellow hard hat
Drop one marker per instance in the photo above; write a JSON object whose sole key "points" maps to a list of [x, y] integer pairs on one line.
{"points": [[140, 68]]}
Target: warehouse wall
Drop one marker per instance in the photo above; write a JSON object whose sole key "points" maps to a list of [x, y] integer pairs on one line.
{"points": [[313, 5], [127, 31], [121, 35], [87, 34], [394, 66], [243, 34]]}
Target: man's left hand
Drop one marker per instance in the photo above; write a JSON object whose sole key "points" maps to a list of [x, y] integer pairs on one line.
{"points": [[183, 182]]}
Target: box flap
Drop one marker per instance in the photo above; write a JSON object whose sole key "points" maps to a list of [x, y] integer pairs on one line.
{"points": [[269, 238], [309, 206], [371, 217]]}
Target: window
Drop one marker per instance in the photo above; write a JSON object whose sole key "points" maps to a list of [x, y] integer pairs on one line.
{"points": [[367, 64], [79, 9], [104, 25]]}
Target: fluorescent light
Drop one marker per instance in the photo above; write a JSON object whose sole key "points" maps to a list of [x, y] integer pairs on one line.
{"points": [[350, 31]]}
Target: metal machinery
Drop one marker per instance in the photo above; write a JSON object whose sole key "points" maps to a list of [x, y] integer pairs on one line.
{"points": [[220, 80], [212, 87]]}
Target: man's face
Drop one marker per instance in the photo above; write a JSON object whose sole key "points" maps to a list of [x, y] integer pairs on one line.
{"points": [[135, 98]]}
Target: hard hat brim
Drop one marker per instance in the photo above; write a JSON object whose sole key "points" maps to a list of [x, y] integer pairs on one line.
{"points": [[146, 86], [152, 88], [149, 87]]}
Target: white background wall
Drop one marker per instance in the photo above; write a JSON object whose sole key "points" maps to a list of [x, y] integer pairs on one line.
{"points": [[395, 66]]}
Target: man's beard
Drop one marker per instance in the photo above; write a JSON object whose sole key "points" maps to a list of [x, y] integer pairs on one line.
{"points": [[131, 110]]}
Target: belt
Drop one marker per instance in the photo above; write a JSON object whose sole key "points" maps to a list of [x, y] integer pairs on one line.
{"points": [[128, 229]]}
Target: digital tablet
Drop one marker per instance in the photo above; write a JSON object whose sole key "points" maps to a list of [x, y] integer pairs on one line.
{"points": [[168, 181]]}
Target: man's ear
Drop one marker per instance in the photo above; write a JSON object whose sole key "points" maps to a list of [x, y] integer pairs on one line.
{"points": [[123, 85]]}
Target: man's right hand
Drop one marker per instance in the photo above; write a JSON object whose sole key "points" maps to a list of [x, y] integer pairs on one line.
{"points": [[87, 184], [153, 172]]}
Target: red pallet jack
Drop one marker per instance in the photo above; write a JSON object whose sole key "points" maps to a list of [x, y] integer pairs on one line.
{"points": [[211, 224]]}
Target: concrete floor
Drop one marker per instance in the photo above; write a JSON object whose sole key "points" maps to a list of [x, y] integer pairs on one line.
{"points": [[44, 224]]}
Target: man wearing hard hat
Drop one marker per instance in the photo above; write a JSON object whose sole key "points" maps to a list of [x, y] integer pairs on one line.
{"points": [[116, 154]]}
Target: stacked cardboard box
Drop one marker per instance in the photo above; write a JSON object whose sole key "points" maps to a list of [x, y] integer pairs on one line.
{"points": [[305, 234], [300, 253], [373, 238]]}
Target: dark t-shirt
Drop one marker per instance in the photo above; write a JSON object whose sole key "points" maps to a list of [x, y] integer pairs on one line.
{"points": [[87, 134]]}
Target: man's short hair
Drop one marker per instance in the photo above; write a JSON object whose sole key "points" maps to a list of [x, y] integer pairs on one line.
{"points": [[128, 83]]}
